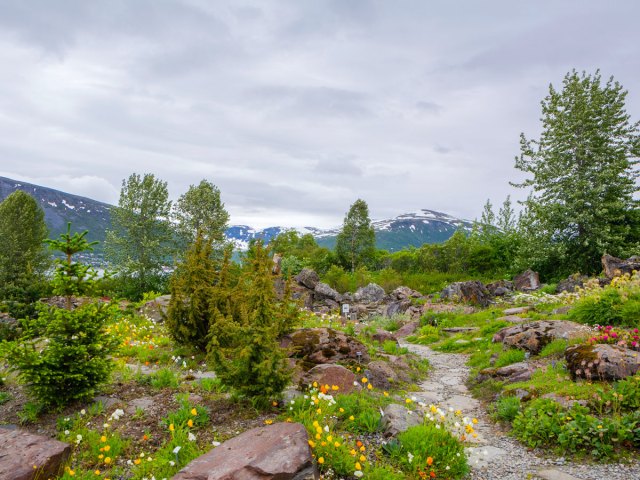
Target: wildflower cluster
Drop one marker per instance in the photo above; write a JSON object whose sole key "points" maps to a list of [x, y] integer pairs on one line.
{"points": [[628, 338]]}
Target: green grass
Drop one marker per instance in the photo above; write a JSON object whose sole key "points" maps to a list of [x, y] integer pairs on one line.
{"points": [[509, 357], [554, 349]]}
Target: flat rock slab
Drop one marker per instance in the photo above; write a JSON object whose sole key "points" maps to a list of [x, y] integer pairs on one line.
{"points": [[513, 319], [481, 457], [144, 403], [143, 369], [461, 402], [21, 451], [460, 329], [279, 451], [553, 474], [516, 310], [397, 419]]}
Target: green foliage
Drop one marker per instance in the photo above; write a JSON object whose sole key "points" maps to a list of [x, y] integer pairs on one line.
{"points": [[583, 178], [246, 354], [507, 408], [141, 240], [201, 210], [355, 244], [554, 348], [72, 278], [299, 251], [426, 442], [611, 305], [70, 357], [508, 357], [163, 378], [23, 259]]}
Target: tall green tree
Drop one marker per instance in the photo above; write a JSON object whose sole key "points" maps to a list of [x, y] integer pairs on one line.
{"points": [[356, 242], [23, 256], [201, 209], [141, 241], [583, 176]]}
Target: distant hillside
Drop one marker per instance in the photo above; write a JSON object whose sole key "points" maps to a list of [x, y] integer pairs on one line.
{"points": [[410, 229], [60, 208]]}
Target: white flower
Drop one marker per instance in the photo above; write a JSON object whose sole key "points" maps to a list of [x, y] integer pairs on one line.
{"points": [[83, 412], [438, 426], [326, 428], [172, 463], [117, 414], [192, 437], [215, 444], [66, 432], [78, 439], [447, 467], [177, 449], [358, 473], [410, 457]]}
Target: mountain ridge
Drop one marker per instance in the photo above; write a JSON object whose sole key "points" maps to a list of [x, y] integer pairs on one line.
{"points": [[408, 229]]}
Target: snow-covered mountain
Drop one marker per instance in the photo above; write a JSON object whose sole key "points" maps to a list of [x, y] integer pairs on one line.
{"points": [[425, 226]]}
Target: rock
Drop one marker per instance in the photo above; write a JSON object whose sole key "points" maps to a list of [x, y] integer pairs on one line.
{"points": [[500, 288], [8, 327], [566, 402], [571, 283], [601, 361], [397, 308], [324, 345], [382, 336], [516, 372], [307, 278], [277, 264], [404, 293], [614, 267], [513, 319], [527, 281], [329, 374], [407, 329], [107, 402], [278, 452], [372, 293], [143, 404], [561, 310], [472, 291], [323, 291], [156, 309], [397, 419], [516, 310], [553, 474], [381, 375], [534, 336], [460, 329], [480, 457], [20, 451]]}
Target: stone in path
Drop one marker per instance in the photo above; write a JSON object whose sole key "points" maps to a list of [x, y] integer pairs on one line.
{"points": [[24, 456], [512, 319], [397, 419], [516, 310], [481, 457], [461, 402], [277, 452], [553, 474]]}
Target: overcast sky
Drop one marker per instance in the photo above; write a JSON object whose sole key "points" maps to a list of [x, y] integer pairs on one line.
{"points": [[295, 109]]}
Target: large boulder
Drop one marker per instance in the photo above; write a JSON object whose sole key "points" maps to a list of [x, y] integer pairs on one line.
{"points": [[473, 292], [403, 293], [397, 419], [407, 329], [324, 345], [570, 283], [534, 336], [602, 361], [527, 281], [516, 372], [500, 288], [372, 293], [25, 456], [381, 375], [274, 452], [156, 309], [614, 266], [307, 278], [330, 374], [382, 336], [322, 291], [398, 307]]}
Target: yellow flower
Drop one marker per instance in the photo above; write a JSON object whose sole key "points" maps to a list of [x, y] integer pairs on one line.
{"points": [[475, 420], [336, 444], [358, 466], [194, 412], [329, 438], [362, 458], [312, 444], [268, 421], [101, 456], [318, 436], [370, 387], [319, 411], [97, 472], [407, 400], [362, 449], [171, 428], [137, 461], [103, 438], [107, 460], [352, 418], [364, 380], [335, 387], [316, 424], [321, 460], [341, 410], [190, 423], [72, 472], [386, 394], [315, 385], [107, 448]]}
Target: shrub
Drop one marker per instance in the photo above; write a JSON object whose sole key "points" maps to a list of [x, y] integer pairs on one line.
{"points": [[163, 378], [540, 423], [507, 408], [427, 448], [70, 360]]}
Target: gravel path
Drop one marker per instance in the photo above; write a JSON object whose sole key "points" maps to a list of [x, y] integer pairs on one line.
{"points": [[495, 455]]}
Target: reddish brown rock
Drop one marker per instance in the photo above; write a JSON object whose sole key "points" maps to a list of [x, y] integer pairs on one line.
{"points": [[406, 330], [382, 336], [472, 291], [274, 452], [316, 346], [381, 375], [527, 281], [614, 266], [534, 336], [21, 451], [329, 374], [602, 362]]}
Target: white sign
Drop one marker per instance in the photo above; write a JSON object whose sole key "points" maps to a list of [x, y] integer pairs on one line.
{"points": [[345, 308]]}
